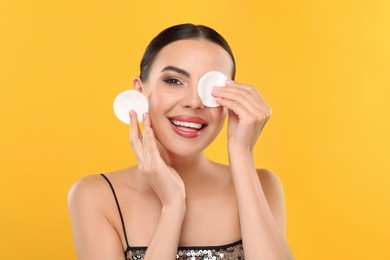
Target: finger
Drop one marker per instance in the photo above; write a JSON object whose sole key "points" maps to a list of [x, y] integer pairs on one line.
{"points": [[241, 104], [248, 93], [241, 111], [237, 94], [135, 140], [239, 85], [151, 142], [163, 152], [147, 122], [149, 147], [233, 85], [251, 99], [244, 114], [135, 132]]}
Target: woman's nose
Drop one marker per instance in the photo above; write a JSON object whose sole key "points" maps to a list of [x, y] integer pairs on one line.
{"points": [[192, 99]]}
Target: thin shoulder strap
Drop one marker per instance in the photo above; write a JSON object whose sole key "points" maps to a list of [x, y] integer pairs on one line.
{"points": [[119, 208]]}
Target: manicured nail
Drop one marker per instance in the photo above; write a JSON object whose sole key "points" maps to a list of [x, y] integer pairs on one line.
{"points": [[215, 90], [229, 82], [143, 116]]}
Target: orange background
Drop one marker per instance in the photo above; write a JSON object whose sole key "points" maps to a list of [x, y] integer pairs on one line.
{"points": [[323, 67]]}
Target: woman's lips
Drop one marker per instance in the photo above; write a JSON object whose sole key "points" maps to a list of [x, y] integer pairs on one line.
{"points": [[190, 119], [188, 126]]}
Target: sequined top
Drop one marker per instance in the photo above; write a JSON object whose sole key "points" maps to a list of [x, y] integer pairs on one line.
{"points": [[233, 251]]}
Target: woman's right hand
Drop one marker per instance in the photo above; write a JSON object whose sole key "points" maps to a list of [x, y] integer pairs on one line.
{"points": [[164, 180]]}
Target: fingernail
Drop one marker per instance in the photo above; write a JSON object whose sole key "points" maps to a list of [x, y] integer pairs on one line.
{"points": [[144, 115], [229, 82], [215, 89]]}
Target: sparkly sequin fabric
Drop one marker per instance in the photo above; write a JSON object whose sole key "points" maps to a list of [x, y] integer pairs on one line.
{"points": [[233, 251]]}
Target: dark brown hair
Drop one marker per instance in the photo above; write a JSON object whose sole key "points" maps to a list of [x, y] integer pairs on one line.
{"points": [[181, 32]]}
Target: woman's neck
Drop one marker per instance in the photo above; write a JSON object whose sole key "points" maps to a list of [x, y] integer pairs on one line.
{"points": [[184, 163]]}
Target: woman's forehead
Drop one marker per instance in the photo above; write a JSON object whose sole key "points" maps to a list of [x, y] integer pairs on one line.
{"points": [[195, 56]]}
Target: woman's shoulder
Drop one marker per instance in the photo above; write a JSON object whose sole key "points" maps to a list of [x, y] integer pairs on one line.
{"points": [[270, 183], [94, 188], [274, 193], [86, 191], [94, 217], [268, 177]]}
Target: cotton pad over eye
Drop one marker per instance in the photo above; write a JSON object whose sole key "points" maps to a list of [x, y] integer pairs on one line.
{"points": [[205, 85], [130, 100]]}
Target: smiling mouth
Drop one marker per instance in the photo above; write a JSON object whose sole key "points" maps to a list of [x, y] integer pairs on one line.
{"points": [[187, 126]]}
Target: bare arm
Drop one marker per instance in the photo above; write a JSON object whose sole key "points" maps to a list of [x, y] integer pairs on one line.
{"points": [[168, 186], [166, 236], [94, 236], [261, 211], [262, 222]]}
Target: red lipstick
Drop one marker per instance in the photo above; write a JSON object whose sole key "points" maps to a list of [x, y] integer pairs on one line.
{"points": [[188, 126]]}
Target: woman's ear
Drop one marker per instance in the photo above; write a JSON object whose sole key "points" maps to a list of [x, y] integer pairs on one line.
{"points": [[137, 84]]}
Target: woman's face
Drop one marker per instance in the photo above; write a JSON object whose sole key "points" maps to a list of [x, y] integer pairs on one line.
{"points": [[181, 123]]}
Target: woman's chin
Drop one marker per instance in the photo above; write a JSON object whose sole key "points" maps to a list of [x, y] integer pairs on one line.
{"points": [[184, 151]]}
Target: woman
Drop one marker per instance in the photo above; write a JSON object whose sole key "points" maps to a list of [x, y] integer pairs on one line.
{"points": [[177, 204]]}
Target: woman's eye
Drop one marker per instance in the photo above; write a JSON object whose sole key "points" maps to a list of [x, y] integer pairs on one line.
{"points": [[172, 81]]}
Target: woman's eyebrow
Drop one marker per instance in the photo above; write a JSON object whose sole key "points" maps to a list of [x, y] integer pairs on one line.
{"points": [[178, 70]]}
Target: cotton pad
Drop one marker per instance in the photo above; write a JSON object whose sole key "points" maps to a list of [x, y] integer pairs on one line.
{"points": [[130, 100], [205, 85]]}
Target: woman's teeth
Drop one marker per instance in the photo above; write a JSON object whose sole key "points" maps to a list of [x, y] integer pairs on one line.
{"points": [[186, 124]]}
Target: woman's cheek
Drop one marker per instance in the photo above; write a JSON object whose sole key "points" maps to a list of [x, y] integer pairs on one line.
{"points": [[159, 101], [219, 113]]}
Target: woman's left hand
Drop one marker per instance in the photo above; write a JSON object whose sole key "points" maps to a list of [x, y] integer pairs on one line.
{"points": [[248, 114]]}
